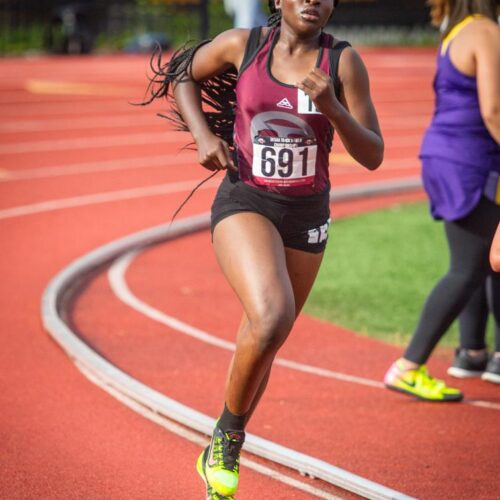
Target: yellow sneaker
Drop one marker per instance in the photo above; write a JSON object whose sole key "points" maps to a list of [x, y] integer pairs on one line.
{"points": [[420, 384], [221, 461], [211, 494]]}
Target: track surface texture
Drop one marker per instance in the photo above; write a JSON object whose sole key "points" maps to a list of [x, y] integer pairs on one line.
{"points": [[80, 167]]}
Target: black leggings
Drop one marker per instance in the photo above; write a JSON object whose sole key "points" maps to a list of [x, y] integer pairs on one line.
{"points": [[469, 241], [473, 320]]}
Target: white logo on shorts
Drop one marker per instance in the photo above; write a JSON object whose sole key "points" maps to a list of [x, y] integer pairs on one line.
{"points": [[318, 235]]}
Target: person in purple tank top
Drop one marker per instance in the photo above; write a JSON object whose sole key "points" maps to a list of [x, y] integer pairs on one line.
{"points": [[275, 96], [460, 157]]}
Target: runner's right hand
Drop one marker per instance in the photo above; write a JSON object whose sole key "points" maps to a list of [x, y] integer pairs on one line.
{"points": [[214, 154]]}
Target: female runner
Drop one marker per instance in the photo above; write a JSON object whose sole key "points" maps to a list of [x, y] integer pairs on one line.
{"points": [[276, 95]]}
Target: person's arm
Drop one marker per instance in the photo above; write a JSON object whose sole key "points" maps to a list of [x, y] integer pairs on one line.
{"points": [[495, 251], [487, 56], [213, 58], [353, 117]]}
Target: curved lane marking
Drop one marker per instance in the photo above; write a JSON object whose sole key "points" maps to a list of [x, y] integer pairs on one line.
{"points": [[65, 124], [93, 199], [119, 286], [196, 438], [167, 137], [44, 109], [91, 142], [53, 303], [342, 165], [103, 166], [116, 275], [347, 192], [131, 118]]}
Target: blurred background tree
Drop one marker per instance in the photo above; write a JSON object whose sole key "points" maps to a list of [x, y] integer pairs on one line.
{"points": [[84, 26]]}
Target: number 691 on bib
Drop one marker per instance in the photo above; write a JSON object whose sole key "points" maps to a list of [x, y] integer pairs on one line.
{"points": [[284, 163]]}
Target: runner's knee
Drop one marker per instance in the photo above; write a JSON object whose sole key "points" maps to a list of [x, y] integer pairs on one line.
{"points": [[271, 325]]}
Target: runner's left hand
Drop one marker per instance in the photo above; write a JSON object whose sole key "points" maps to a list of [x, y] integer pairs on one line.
{"points": [[319, 87]]}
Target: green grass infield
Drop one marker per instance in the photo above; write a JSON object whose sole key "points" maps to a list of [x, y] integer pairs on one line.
{"points": [[378, 270]]}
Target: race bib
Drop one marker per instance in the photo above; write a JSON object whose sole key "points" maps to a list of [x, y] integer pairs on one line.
{"points": [[305, 106], [279, 161]]}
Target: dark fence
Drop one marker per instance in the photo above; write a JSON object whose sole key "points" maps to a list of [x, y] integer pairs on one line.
{"points": [[86, 25], [400, 13], [82, 26]]}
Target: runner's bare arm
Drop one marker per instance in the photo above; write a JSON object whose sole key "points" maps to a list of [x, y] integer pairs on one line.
{"points": [[354, 117], [213, 58], [487, 55]]}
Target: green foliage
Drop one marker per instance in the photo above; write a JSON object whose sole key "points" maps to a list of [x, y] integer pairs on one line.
{"points": [[125, 22], [181, 24], [21, 39], [218, 19], [378, 270]]}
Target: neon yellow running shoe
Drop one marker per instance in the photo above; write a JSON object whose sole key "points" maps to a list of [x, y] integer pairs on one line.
{"points": [[222, 461], [200, 467], [420, 384]]}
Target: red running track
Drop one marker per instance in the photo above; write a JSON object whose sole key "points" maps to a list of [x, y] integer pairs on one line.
{"points": [[79, 168]]}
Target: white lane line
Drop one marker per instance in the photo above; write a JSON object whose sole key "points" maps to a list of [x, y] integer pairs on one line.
{"points": [[50, 109], [484, 404], [116, 277], [46, 109], [52, 307], [200, 440], [168, 136], [93, 142], [97, 166], [93, 199], [341, 192], [344, 164], [339, 164], [122, 121], [132, 118]]}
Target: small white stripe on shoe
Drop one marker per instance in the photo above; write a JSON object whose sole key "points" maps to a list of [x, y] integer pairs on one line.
{"points": [[462, 373], [491, 377]]}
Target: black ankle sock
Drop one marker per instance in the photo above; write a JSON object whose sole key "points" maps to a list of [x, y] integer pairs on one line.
{"points": [[230, 421]]}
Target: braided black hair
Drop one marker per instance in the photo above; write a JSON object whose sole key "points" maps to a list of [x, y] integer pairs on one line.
{"points": [[275, 17], [217, 93]]}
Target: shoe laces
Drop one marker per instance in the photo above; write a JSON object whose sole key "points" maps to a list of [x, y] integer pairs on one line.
{"points": [[424, 377], [227, 450]]}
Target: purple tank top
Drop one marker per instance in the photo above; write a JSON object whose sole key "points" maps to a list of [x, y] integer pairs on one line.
{"points": [[459, 156], [282, 142]]}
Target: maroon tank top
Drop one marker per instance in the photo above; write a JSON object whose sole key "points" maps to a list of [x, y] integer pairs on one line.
{"points": [[282, 142]]}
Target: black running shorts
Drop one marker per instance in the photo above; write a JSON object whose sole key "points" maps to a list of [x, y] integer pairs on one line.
{"points": [[302, 221]]}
